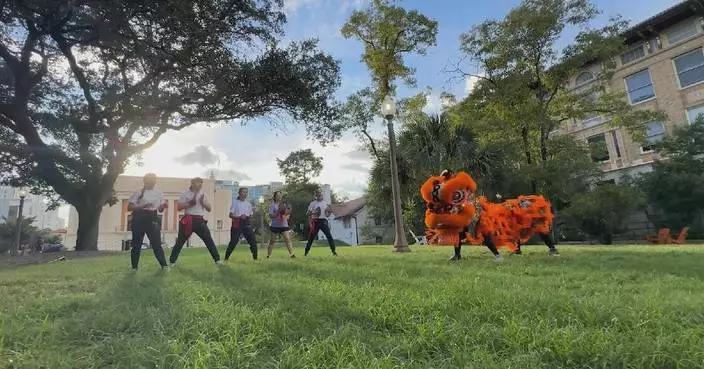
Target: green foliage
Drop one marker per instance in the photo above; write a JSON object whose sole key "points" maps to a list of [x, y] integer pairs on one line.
{"points": [[427, 145], [29, 235], [300, 166], [626, 307], [603, 211], [388, 32], [82, 96], [675, 185], [525, 92]]}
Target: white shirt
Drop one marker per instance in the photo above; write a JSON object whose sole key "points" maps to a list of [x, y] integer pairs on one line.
{"points": [[151, 199], [240, 207], [315, 204], [196, 209]]}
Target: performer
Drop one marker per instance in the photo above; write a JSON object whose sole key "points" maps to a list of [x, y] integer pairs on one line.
{"points": [[144, 205], [195, 205], [279, 212], [532, 214], [318, 211], [241, 214]]}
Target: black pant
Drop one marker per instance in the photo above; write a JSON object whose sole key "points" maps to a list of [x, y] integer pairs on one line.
{"points": [[200, 227], [235, 234], [320, 225], [144, 222]]}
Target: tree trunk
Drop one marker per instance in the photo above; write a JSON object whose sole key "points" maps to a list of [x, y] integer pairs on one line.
{"points": [[88, 226], [529, 157]]}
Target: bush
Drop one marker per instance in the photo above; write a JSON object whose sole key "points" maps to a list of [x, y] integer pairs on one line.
{"points": [[602, 212]]}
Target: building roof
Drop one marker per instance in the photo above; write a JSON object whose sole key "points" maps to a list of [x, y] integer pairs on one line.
{"points": [[666, 18], [348, 208]]}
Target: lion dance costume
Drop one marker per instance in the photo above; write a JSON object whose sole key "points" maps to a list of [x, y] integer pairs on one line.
{"points": [[455, 214]]}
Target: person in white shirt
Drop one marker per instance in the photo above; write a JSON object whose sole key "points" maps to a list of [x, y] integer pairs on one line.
{"points": [[318, 211], [144, 205], [194, 204], [241, 215]]}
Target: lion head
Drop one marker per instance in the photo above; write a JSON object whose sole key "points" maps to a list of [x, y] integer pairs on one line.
{"points": [[450, 200]]}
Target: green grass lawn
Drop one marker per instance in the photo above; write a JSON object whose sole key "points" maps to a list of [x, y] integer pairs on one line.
{"points": [[593, 307]]}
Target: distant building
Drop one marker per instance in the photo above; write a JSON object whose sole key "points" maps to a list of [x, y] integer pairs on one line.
{"points": [[35, 206], [353, 224]]}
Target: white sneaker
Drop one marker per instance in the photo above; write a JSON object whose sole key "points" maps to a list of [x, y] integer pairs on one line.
{"points": [[219, 263], [498, 258], [172, 265]]}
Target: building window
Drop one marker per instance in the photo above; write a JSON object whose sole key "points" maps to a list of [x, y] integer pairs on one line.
{"points": [[633, 54], [682, 32], [690, 68], [592, 98], [347, 223], [615, 138], [598, 149], [219, 224], [654, 133], [583, 78], [377, 221], [639, 86], [694, 113]]}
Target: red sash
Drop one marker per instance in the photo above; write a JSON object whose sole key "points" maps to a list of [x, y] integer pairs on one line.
{"points": [[187, 223], [235, 222]]}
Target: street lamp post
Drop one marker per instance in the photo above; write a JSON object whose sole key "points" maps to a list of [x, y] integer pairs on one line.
{"points": [[18, 225], [388, 110]]}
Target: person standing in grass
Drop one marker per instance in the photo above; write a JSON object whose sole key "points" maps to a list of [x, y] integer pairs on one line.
{"points": [[319, 210], [144, 205], [279, 213], [194, 204], [241, 214]]}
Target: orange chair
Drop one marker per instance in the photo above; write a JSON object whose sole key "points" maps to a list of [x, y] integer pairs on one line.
{"points": [[679, 239], [663, 237]]}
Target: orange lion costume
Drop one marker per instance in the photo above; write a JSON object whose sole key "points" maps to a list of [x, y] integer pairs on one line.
{"points": [[455, 214]]}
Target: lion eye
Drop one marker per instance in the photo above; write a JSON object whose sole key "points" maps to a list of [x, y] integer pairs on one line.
{"points": [[458, 196]]}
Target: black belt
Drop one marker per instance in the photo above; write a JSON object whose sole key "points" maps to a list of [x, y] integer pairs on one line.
{"points": [[145, 212]]}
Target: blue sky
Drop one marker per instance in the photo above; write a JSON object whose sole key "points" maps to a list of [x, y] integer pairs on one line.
{"points": [[249, 152]]}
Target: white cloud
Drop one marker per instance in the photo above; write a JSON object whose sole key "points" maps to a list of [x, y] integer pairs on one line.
{"points": [[469, 83], [293, 6], [249, 154]]}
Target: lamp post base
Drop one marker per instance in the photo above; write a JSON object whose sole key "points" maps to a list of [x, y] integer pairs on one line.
{"points": [[401, 249]]}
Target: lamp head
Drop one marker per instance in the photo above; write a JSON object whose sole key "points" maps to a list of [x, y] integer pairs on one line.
{"points": [[261, 199], [23, 194], [388, 107]]}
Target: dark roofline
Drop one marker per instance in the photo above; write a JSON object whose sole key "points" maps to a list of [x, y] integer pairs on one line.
{"points": [[666, 18]]}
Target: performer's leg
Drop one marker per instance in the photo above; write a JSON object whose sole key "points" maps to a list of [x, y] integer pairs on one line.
{"points": [[137, 239], [458, 247], [326, 231], [550, 242], [201, 229], [518, 248], [270, 247], [289, 244], [489, 243], [235, 234], [311, 237], [251, 240], [154, 235], [180, 241]]}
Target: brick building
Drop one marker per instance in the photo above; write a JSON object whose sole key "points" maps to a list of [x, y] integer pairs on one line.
{"points": [[662, 69]]}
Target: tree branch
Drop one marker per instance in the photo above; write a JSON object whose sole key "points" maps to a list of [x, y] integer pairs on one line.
{"points": [[80, 77], [371, 142]]}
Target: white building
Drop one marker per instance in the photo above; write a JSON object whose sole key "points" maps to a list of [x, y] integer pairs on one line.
{"points": [[35, 206], [353, 224]]}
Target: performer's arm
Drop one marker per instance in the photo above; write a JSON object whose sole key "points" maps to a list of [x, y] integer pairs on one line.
{"points": [[232, 210], [328, 211], [163, 204], [309, 212], [205, 203], [132, 205], [183, 203]]}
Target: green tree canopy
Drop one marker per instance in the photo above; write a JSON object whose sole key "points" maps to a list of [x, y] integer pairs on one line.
{"points": [[86, 86], [300, 166]]}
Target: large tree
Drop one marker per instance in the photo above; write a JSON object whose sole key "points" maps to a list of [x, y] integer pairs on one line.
{"points": [[300, 166], [523, 93], [86, 86]]}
